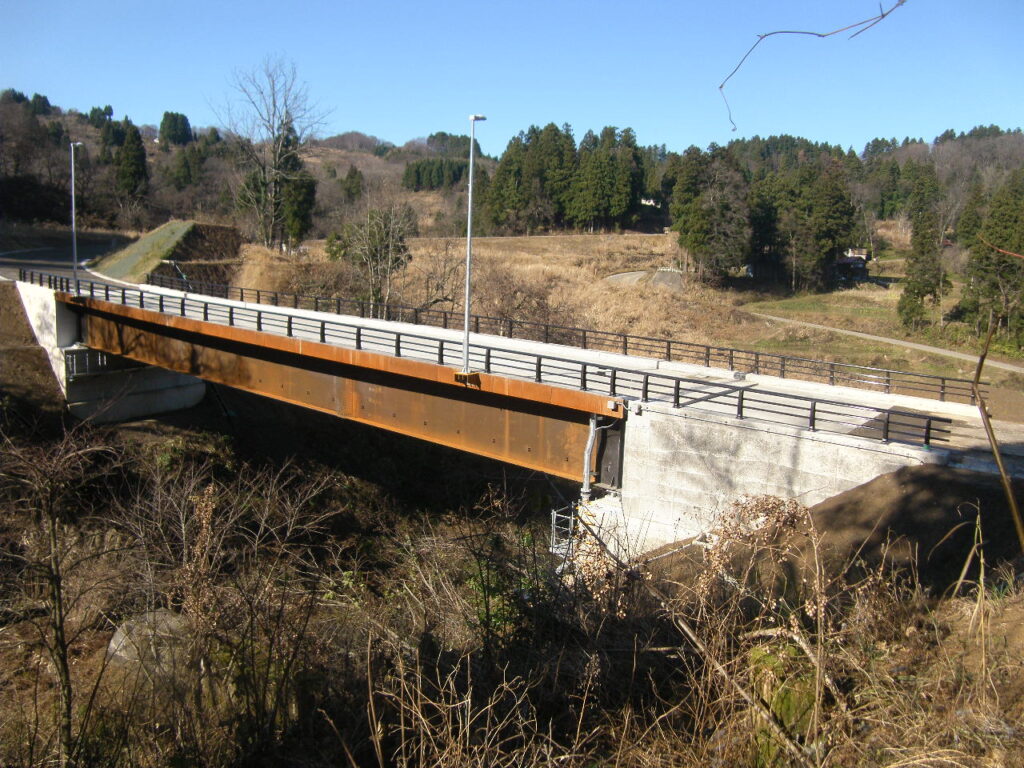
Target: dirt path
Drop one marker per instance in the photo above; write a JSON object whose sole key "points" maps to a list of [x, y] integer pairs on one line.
{"points": [[990, 363]]}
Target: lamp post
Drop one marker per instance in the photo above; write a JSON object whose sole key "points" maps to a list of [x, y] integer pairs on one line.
{"points": [[74, 233], [469, 242]]}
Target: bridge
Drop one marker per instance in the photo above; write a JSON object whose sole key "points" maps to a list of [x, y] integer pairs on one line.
{"points": [[668, 443]]}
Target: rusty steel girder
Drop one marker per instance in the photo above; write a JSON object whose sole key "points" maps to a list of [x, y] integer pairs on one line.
{"points": [[532, 425]]}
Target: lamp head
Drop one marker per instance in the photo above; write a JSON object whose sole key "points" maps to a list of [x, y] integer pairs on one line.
{"points": [[474, 118]]}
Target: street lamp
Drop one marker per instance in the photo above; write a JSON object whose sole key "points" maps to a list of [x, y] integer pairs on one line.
{"points": [[74, 234], [469, 242]]}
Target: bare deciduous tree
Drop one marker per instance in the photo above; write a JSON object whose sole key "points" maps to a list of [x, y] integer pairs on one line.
{"points": [[376, 245], [270, 120]]}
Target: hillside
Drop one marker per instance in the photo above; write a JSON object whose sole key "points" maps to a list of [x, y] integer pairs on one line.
{"points": [[201, 251]]}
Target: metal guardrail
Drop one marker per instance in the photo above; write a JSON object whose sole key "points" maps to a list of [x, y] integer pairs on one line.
{"points": [[738, 401], [886, 380]]}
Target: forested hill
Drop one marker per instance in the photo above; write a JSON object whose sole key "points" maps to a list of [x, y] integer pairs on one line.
{"points": [[782, 209]]}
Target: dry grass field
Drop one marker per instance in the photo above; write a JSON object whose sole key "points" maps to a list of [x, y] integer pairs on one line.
{"points": [[561, 279]]}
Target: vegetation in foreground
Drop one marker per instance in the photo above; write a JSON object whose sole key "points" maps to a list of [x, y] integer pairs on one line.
{"points": [[299, 616]]}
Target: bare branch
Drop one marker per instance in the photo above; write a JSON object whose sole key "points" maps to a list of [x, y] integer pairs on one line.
{"points": [[860, 26], [1000, 250]]}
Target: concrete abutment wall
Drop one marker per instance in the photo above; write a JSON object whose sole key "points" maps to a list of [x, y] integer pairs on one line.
{"points": [[106, 393], [683, 469]]}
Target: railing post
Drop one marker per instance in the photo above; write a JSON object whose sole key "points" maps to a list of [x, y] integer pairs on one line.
{"points": [[276, 297], [888, 382], [583, 377], [323, 331], [942, 389], [537, 368], [398, 345], [928, 431], [584, 338], [477, 323], [124, 296], [547, 329], [288, 327], [832, 374], [259, 296], [757, 363], [612, 382], [487, 360], [675, 393], [206, 311], [782, 367], [142, 300], [732, 367], [625, 344], [182, 306], [444, 319], [668, 349], [106, 291], [440, 351], [259, 320], [645, 388], [885, 427], [359, 337], [241, 292], [739, 404], [316, 303], [160, 303], [707, 357], [231, 316], [337, 306], [813, 415]]}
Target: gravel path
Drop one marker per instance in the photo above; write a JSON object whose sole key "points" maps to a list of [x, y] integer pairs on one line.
{"points": [[989, 363]]}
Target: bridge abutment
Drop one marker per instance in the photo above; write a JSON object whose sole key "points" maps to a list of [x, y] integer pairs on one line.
{"points": [[100, 387], [683, 469]]}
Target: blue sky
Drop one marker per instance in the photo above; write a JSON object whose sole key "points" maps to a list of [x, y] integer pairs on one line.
{"points": [[400, 70]]}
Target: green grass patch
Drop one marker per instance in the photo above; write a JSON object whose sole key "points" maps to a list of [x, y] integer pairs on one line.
{"points": [[143, 256]]}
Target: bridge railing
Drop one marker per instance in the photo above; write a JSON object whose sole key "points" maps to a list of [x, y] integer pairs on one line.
{"points": [[747, 361], [736, 399]]}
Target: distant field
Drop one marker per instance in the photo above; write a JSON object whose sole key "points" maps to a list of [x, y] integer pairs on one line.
{"points": [[560, 279]]}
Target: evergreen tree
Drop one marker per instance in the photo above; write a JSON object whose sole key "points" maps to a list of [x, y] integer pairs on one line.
{"points": [[100, 116], [353, 184], [11, 96], [924, 278], [175, 129], [506, 198], [971, 218], [298, 199], [712, 213], [131, 173], [40, 105], [996, 291], [832, 218]]}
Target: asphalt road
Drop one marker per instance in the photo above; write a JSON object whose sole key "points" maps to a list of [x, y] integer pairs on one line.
{"points": [[55, 257]]}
